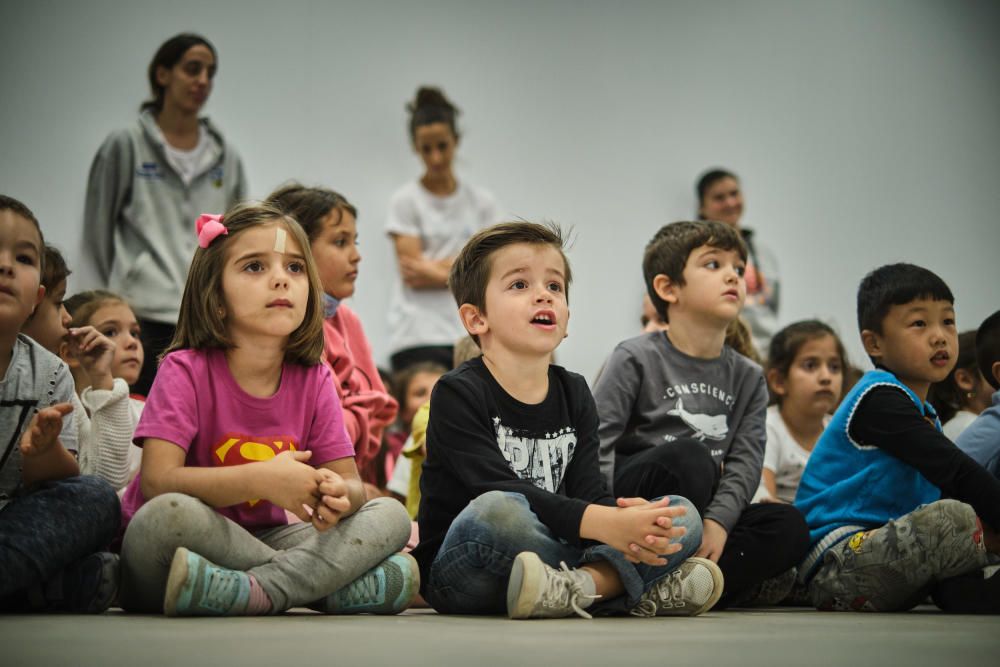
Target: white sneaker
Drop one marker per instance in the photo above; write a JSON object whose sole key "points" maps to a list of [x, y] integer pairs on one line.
{"points": [[536, 590], [691, 589]]}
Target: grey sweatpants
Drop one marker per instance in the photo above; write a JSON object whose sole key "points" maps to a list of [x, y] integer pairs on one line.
{"points": [[891, 568], [295, 564]]}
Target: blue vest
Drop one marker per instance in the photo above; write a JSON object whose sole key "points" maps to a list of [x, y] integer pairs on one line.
{"points": [[848, 484]]}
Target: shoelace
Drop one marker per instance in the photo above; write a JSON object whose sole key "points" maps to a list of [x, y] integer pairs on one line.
{"points": [[364, 590], [667, 593], [222, 590], [564, 590]]}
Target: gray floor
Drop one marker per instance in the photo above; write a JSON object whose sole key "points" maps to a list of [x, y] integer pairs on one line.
{"points": [[303, 639]]}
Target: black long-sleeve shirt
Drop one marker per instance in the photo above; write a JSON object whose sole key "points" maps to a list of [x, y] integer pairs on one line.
{"points": [[481, 439]]}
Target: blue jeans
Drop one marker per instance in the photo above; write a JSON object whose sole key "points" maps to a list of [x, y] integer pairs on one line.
{"points": [[51, 527], [469, 575]]}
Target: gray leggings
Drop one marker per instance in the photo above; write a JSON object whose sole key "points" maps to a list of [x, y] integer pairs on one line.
{"points": [[295, 564], [892, 568]]}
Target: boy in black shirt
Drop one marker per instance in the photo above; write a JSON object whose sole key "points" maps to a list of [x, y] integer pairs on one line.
{"points": [[511, 489]]}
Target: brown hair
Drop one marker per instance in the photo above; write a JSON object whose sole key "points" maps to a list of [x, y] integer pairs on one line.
{"points": [[471, 271], [310, 205], [17, 208], [786, 345], [167, 56], [667, 252], [82, 306], [201, 323], [946, 396], [54, 268], [431, 106], [739, 338]]}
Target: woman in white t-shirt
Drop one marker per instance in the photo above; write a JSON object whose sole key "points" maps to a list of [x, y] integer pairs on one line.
{"points": [[805, 373], [429, 221]]}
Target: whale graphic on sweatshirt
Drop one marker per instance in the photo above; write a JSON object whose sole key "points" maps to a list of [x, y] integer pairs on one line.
{"points": [[713, 427]]}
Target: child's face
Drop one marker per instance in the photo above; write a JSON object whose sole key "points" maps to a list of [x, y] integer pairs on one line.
{"points": [[188, 84], [435, 144], [336, 252], [418, 392], [48, 325], [723, 201], [117, 321], [815, 378], [526, 305], [20, 275], [714, 289], [265, 284], [918, 343]]}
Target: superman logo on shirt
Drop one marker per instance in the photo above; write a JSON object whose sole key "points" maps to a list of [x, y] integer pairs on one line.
{"points": [[234, 449]]}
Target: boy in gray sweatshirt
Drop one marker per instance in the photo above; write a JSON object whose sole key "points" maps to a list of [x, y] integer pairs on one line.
{"points": [[683, 413]]}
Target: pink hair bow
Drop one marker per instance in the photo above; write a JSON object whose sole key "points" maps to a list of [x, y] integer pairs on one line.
{"points": [[209, 226]]}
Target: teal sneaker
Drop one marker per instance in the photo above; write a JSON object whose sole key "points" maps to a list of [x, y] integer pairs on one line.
{"points": [[387, 588], [198, 587]]}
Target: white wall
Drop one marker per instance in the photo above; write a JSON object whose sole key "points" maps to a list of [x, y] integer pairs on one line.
{"points": [[865, 132]]}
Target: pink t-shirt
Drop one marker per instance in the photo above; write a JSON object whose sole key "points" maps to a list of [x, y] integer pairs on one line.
{"points": [[196, 404]]}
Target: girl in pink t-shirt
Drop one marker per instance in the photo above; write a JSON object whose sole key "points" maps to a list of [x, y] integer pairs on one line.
{"points": [[243, 423], [330, 222]]}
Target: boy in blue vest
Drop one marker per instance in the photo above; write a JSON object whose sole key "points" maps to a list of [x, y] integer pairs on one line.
{"points": [[882, 536]]}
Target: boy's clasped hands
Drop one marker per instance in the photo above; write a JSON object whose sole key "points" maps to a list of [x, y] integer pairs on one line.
{"points": [[640, 529]]}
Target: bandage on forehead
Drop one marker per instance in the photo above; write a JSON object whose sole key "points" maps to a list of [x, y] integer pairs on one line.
{"points": [[280, 235]]}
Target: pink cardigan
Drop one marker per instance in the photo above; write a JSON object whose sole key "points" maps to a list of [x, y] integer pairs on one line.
{"points": [[368, 407]]}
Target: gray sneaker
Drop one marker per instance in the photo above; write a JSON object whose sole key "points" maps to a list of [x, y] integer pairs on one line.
{"points": [[536, 590], [691, 589]]}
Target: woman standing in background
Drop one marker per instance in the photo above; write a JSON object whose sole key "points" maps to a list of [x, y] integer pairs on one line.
{"points": [[429, 221], [149, 182], [721, 198]]}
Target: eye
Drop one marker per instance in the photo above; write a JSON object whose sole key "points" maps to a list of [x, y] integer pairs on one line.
{"points": [[26, 259], [741, 270], [555, 286], [442, 147], [253, 267], [918, 323], [136, 332], [835, 367], [809, 364], [712, 264], [296, 267], [949, 321], [110, 332], [519, 284]]}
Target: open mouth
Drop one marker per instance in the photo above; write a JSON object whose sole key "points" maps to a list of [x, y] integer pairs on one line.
{"points": [[940, 358], [544, 318]]}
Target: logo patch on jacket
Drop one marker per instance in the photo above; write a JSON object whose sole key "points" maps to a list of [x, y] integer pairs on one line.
{"points": [[149, 170], [216, 175]]}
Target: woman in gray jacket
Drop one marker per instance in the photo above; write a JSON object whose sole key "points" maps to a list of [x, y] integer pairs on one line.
{"points": [[148, 184]]}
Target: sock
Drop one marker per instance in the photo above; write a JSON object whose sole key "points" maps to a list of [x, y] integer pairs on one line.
{"points": [[259, 603]]}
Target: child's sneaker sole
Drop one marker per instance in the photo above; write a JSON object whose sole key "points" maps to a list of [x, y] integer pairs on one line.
{"points": [[526, 578]]}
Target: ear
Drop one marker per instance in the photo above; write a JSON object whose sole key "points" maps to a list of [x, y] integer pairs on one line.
{"points": [[995, 369], [473, 319], [665, 288], [965, 380], [872, 342], [776, 381], [38, 298], [162, 75]]}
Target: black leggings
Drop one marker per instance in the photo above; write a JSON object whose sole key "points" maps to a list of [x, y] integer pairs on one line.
{"points": [[767, 539]]}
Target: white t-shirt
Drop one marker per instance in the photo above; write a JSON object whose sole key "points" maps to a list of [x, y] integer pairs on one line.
{"points": [[443, 225], [784, 456], [188, 163], [957, 424]]}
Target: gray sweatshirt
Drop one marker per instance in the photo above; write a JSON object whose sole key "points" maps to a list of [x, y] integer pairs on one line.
{"points": [[651, 391], [139, 216]]}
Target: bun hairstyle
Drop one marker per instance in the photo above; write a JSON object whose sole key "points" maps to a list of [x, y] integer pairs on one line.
{"points": [[431, 106]]}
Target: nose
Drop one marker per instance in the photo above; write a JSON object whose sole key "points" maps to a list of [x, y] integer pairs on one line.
{"points": [[280, 278], [825, 376], [543, 295], [131, 340], [64, 316], [355, 255]]}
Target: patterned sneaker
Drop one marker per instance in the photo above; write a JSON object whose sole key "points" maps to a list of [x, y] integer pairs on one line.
{"points": [[691, 589], [536, 590], [198, 587], [387, 588], [88, 586]]}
